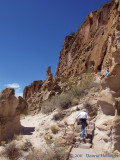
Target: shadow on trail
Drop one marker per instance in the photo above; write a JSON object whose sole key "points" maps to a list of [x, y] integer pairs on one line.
{"points": [[22, 131], [27, 130]]}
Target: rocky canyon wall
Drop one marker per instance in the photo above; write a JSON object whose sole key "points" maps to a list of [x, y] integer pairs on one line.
{"points": [[88, 48], [107, 132], [94, 46]]}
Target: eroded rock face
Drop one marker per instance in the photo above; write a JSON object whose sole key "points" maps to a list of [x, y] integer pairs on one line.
{"points": [[34, 87], [107, 132], [9, 116], [88, 47], [40, 91], [22, 107], [95, 46]]}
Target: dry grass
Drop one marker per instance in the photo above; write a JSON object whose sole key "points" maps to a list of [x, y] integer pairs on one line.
{"points": [[65, 122], [22, 116], [75, 101], [3, 143], [18, 137], [12, 152], [35, 155], [54, 129], [26, 146], [52, 153], [58, 116], [48, 138]]}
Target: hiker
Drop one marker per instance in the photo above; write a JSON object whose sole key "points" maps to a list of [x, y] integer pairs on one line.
{"points": [[107, 72], [83, 116], [107, 66]]}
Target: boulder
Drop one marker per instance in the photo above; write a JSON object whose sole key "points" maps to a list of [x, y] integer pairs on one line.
{"points": [[107, 134], [8, 103], [9, 116], [106, 101], [112, 80]]}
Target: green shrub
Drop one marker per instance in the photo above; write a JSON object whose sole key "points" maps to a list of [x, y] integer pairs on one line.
{"points": [[67, 99], [48, 105], [63, 101], [72, 34], [77, 91], [68, 83]]}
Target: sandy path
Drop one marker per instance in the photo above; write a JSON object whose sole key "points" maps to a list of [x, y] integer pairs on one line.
{"points": [[31, 126]]}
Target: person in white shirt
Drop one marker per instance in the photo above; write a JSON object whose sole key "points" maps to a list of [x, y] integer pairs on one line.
{"points": [[83, 116]]}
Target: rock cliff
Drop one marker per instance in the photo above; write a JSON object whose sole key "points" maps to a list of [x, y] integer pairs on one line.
{"points": [[95, 46], [40, 91], [90, 46], [107, 131]]}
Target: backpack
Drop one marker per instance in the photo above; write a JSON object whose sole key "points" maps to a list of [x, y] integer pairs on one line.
{"points": [[82, 121]]}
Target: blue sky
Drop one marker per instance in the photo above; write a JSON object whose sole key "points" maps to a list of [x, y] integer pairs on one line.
{"points": [[32, 34]]}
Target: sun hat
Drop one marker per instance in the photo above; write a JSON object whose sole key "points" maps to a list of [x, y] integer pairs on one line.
{"points": [[84, 110]]}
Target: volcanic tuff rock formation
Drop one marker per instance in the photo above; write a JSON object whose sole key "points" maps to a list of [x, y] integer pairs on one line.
{"points": [[108, 122], [9, 113], [94, 46], [40, 91], [112, 80], [91, 46], [22, 106], [34, 87]]}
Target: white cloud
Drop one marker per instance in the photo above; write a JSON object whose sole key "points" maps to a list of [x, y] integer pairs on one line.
{"points": [[17, 88], [13, 85]]}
